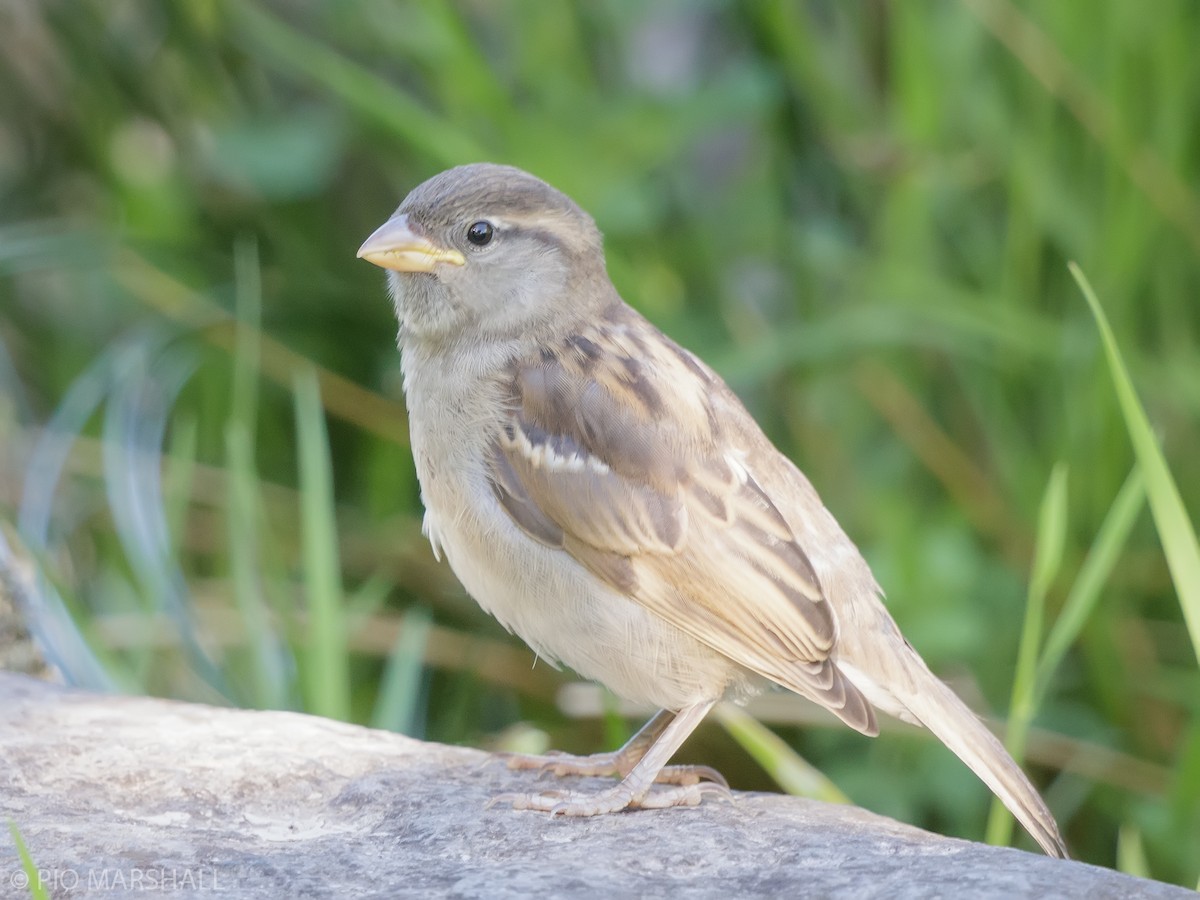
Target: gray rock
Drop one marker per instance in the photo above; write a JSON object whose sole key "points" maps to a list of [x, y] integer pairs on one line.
{"points": [[123, 795]]}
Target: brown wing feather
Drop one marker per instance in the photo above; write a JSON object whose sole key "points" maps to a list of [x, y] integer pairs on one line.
{"points": [[651, 496]]}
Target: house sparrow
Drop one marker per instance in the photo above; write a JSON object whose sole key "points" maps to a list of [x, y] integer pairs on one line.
{"points": [[602, 492]]}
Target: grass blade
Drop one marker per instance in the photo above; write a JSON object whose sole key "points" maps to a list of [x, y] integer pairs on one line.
{"points": [[37, 890], [247, 350], [791, 771], [398, 706], [1175, 530], [1047, 560], [268, 688], [327, 670], [1131, 853], [1094, 572], [361, 90]]}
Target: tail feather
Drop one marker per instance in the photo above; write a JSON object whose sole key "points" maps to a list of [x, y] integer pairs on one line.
{"points": [[941, 711]]}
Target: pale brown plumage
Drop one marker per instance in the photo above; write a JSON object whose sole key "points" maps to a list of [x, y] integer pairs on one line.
{"points": [[605, 495], [665, 514]]}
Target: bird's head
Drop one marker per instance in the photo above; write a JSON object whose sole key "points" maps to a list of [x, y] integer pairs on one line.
{"points": [[488, 248]]}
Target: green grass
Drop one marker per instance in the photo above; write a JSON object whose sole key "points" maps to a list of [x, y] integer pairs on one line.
{"points": [[862, 214], [37, 890], [1175, 529], [326, 666], [790, 771], [1047, 560]]}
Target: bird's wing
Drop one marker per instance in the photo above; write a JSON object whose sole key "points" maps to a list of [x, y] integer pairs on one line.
{"points": [[617, 452]]}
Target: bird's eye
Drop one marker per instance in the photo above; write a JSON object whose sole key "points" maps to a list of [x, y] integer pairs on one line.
{"points": [[480, 233]]}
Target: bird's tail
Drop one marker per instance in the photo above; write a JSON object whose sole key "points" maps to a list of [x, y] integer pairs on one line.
{"points": [[941, 711]]}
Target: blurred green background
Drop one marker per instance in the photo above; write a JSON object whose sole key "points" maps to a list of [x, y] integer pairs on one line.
{"points": [[860, 213]]}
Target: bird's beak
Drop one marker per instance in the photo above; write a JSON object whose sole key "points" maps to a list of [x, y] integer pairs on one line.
{"points": [[395, 245]]}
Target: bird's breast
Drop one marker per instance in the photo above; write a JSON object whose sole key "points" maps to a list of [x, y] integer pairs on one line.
{"points": [[559, 608]]}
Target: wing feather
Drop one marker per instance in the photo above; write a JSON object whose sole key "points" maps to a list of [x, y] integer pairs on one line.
{"points": [[658, 501]]}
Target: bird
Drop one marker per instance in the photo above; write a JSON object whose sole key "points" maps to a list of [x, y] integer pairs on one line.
{"points": [[602, 493]]}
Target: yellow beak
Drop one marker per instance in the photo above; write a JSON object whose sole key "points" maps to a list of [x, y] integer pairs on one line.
{"points": [[395, 245]]}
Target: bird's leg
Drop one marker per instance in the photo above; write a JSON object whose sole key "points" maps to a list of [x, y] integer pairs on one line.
{"points": [[635, 789], [618, 762]]}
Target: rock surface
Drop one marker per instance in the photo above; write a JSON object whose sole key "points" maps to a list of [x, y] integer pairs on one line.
{"points": [[122, 795]]}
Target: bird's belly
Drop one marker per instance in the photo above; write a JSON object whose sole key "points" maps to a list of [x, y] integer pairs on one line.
{"points": [[567, 615]]}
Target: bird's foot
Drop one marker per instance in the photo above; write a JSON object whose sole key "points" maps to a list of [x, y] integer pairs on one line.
{"points": [[616, 799], [601, 765]]}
